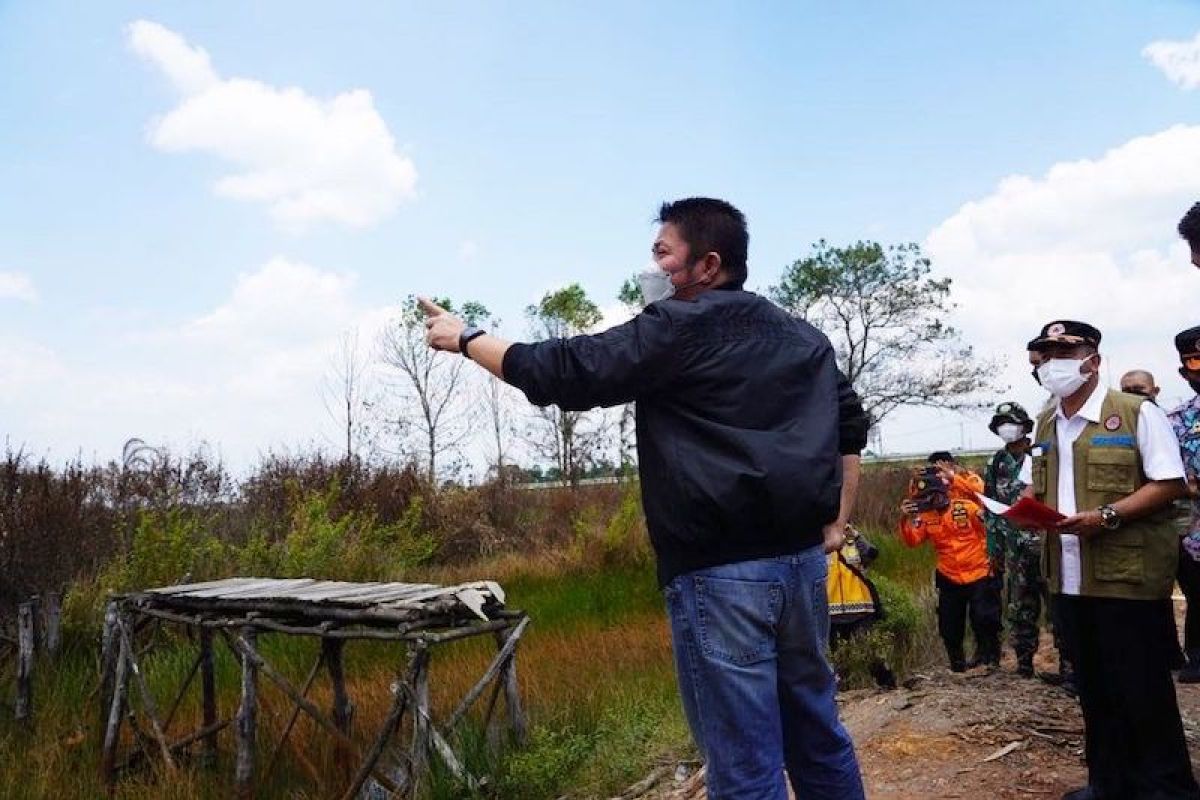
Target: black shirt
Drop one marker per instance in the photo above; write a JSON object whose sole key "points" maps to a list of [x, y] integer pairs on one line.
{"points": [[742, 416]]}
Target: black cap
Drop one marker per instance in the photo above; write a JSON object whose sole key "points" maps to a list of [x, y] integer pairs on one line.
{"points": [[1065, 331], [1188, 342], [940, 455], [1009, 411]]}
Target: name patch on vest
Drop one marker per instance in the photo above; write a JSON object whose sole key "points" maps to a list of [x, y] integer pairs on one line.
{"points": [[1112, 441]]}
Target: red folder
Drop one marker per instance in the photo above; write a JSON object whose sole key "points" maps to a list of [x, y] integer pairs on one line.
{"points": [[1025, 513]]}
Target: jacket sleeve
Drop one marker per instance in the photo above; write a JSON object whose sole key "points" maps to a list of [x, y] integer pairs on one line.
{"points": [[607, 369], [968, 484], [852, 420], [912, 533]]}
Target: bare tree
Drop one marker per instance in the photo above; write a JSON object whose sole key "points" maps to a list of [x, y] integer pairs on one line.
{"points": [[430, 384], [344, 390], [886, 317]]}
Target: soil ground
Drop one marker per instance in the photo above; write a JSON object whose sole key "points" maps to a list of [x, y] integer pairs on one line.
{"points": [[982, 733]]}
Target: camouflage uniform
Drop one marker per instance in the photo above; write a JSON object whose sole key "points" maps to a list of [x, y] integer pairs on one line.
{"points": [[1022, 552]]}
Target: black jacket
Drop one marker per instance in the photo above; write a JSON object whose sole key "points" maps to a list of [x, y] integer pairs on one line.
{"points": [[742, 416]]}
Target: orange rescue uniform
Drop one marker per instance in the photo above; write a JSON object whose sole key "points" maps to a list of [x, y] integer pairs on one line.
{"points": [[957, 532]]}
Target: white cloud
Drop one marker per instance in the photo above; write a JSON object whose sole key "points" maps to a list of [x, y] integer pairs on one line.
{"points": [[1179, 61], [17, 286], [1092, 239], [309, 160], [245, 374]]}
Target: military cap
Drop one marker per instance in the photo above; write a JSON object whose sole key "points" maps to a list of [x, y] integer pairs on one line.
{"points": [[1188, 344], [1009, 411], [1065, 331]]}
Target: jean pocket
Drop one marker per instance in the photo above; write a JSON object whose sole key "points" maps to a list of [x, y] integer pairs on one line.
{"points": [[737, 618]]}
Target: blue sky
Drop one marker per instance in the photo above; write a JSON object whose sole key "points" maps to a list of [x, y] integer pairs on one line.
{"points": [[528, 147]]}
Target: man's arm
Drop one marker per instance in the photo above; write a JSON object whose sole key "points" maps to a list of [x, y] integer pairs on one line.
{"points": [[852, 438], [1163, 466], [576, 374]]}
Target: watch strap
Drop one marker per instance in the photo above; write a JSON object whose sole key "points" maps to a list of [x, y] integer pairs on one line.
{"points": [[464, 339]]}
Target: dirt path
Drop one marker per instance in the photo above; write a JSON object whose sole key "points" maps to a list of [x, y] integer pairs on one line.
{"points": [[978, 734]]}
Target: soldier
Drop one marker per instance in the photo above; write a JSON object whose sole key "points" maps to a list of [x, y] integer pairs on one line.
{"points": [[1019, 551], [1110, 463], [1186, 422]]}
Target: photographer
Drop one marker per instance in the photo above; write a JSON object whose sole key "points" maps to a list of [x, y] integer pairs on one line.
{"points": [[942, 507]]}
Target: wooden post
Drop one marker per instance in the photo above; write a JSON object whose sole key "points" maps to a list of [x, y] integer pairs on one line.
{"points": [[420, 743], [148, 704], [109, 648], [23, 709], [208, 695], [343, 709], [246, 719], [512, 691], [52, 615], [116, 711]]}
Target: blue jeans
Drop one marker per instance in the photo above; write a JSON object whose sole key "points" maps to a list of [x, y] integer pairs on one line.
{"points": [[757, 688]]}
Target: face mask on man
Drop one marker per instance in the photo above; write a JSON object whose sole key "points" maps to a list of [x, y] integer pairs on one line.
{"points": [[1010, 432], [655, 285], [1063, 377]]}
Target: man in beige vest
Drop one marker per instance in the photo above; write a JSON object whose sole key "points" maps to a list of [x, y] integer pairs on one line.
{"points": [[1109, 462]]}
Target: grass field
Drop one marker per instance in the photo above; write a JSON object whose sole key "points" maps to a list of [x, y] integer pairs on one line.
{"points": [[595, 670]]}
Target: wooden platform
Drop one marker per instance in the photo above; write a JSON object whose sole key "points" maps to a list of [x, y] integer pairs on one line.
{"points": [[238, 610]]}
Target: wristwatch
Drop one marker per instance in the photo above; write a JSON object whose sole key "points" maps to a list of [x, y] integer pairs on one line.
{"points": [[1109, 518], [469, 333]]}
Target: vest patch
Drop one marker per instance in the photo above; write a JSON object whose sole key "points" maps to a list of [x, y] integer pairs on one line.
{"points": [[1112, 423], [1113, 441]]}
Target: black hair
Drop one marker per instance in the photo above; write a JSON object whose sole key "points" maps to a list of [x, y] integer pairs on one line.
{"points": [[1189, 226], [940, 455], [711, 226]]}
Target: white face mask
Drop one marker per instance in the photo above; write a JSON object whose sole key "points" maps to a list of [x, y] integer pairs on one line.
{"points": [[655, 285], [1010, 432], [1062, 377]]}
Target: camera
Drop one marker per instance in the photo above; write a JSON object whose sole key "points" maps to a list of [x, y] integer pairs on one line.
{"points": [[928, 491]]}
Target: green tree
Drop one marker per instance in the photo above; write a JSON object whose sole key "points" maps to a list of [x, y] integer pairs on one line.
{"points": [[885, 314], [569, 439]]}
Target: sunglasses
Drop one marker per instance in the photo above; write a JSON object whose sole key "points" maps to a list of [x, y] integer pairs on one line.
{"points": [[1191, 362]]}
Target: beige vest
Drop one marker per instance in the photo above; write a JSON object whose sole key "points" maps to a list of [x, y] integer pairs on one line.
{"points": [[1138, 560]]}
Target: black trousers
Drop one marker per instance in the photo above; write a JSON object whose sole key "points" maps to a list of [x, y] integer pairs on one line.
{"points": [[1123, 651], [980, 600], [1189, 581]]}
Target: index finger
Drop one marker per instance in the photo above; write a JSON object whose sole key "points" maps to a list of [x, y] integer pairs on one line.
{"points": [[430, 308]]}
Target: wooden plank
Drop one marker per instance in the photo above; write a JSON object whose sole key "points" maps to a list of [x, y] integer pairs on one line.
{"points": [[287, 730], [274, 588], [342, 710], [189, 588], [109, 647], [512, 694]]}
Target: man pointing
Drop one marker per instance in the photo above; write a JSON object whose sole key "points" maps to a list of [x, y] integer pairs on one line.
{"points": [[748, 440]]}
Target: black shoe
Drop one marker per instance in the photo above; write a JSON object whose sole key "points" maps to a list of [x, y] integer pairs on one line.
{"points": [[1068, 685], [1086, 793], [1052, 678], [1025, 667], [958, 665], [1190, 673]]}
